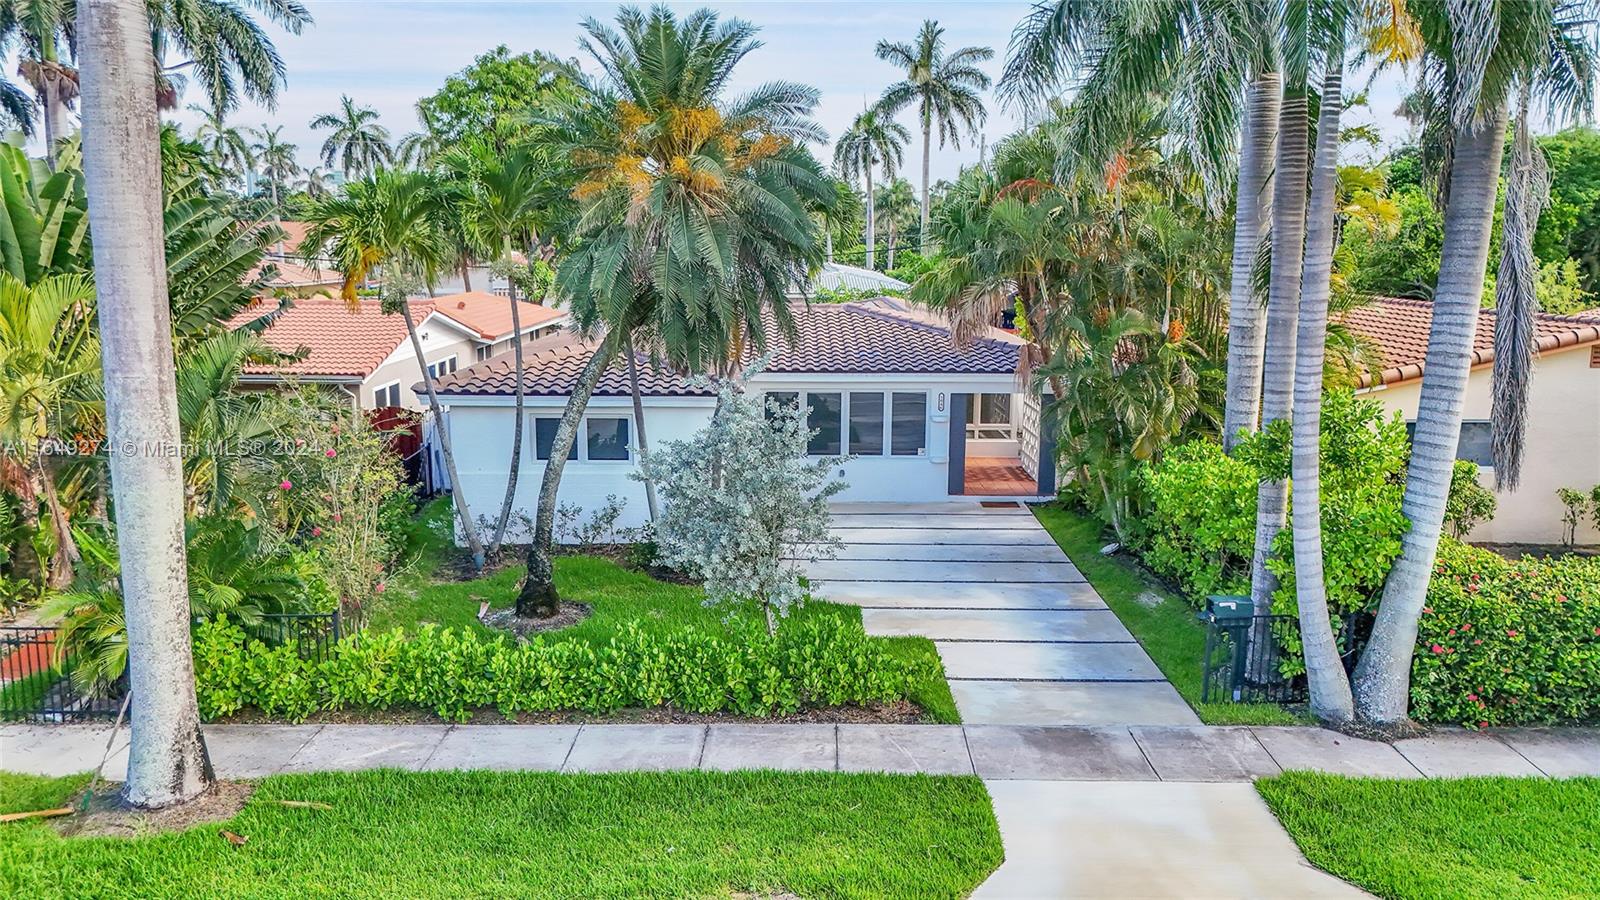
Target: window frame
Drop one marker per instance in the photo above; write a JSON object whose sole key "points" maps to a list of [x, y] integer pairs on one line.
{"points": [[482, 352], [378, 393], [979, 430], [627, 441], [922, 451], [436, 369]]}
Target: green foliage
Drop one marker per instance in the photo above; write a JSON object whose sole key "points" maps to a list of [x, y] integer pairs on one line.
{"points": [[494, 101], [1200, 528], [44, 223], [1404, 263], [1570, 225], [909, 265], [1574, 504], [814, 663], [1468, 502], [1508, 643], [1560, 290]]}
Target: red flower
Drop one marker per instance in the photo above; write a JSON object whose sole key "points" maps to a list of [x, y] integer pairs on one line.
{"points": [[378, 588], [1511, 632], [1466, 626], [285, 485], [1483, 724], [1436, 649], [1451, 632], [330, 453], [316, 531], [1473, 697], [1477, 641], [1427, 609]]}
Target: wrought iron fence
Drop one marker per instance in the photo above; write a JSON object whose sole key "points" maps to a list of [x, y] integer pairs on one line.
{"points": [[37, 686], [1254, 659]]}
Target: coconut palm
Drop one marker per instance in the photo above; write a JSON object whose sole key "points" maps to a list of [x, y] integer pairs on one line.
{"points": [[943, 88], [873, 139], [390, 220], [695, 214], [276, 158], [227, 145], [355, 140], [1477, 56], [167, 761]]}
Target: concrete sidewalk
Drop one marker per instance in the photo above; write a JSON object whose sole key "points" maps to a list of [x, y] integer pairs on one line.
{"points": [[993, 752]]}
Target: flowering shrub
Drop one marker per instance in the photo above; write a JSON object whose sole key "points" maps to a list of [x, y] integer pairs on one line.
{"points": [[815, 663], [1508, 643]]}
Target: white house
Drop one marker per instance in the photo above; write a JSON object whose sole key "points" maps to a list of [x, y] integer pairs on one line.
{"points": [[922, 420], [840, 277]]}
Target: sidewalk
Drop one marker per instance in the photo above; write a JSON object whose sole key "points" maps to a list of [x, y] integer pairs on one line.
{"points": [[992, 752]]}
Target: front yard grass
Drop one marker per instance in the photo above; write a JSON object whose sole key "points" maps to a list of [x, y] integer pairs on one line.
{"points": [[525, 834], [616, 595], [1162, 623], [1446, 838]]}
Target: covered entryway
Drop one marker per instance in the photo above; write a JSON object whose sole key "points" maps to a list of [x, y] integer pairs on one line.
{"points": [[997, 445]]}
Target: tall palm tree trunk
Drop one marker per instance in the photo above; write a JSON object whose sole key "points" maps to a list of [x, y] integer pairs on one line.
{"points": [[458, 499], [927, 144], [1252, 207], [638, 426], [538, 597], [516, 428], [872, 224], [1383, 679], [1283, 307], [167, 760], [1325, 675]]}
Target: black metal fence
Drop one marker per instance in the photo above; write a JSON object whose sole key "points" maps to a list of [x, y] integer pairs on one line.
{"points": [[1247, 658], [36, 683]]}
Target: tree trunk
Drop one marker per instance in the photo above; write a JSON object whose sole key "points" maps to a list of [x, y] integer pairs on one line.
{"points": [[1325, 675], [52, 119], [167, 760], [927, 143], [1283, 302], [466, 276], [65, 564], [893, 236], [828, 236], [1383, 679], [457, 497], [638, 426], [538, 597], [1252, 206], [872, 225], [516, 428]]}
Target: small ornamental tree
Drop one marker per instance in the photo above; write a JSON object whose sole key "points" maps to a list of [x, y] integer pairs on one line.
{"points": [[744, 504]]}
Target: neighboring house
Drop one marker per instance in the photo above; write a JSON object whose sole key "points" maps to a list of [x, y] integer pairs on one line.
{"points": [[296, 277], [922, 420], [368, 355], [1563, 436], [840, 277]]}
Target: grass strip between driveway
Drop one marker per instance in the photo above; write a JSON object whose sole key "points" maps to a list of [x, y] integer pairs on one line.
{"points": [[526, 834], [1446, 838], [1162, 623]]}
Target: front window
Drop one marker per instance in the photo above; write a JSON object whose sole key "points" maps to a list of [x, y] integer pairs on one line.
{"points": [[825, 422], [388, 395], [544, 436], [608, 439], [442, 367], [866, 424], [483, 352], [989, 417], [909, 426]]}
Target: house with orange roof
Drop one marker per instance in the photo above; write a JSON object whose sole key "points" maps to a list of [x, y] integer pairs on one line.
{"points": [[357, 349], [1563, 437]]}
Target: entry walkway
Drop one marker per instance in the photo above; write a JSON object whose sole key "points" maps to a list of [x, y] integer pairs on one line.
{"points": [[1024, 638]]}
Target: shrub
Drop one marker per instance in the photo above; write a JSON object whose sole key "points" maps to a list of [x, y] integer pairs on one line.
{"points": [[815, 663], [1469, 502], [1508, 643], [1200, 531]]}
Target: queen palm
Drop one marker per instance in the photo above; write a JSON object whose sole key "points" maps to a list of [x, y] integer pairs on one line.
{"points": [[391, 219], [695, 213], [1477, 56], [942, 87], [227, 145], [355, 141], [873, 139]]}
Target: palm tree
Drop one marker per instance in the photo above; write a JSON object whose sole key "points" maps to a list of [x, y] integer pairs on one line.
{"points": [[1477, 55], [390, 219], [695, 214], [943, 88], [873, 138], [167, 761], [228, 146], [894, 205], [277, 161], [839, 220], [314, 182], [356, 140]]}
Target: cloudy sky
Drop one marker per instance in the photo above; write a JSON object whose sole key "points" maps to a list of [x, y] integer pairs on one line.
{"points": [[387, 54]]}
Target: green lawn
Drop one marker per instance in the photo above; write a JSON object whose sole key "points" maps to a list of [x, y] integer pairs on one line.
{"points": [[1162, 623], [617, 595], [1459, 838], [498, 834]]}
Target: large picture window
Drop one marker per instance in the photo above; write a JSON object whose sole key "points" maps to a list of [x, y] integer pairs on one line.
{"points": [[989, 417], [909, 424], [608, 438], [825, 421], [866, 424]]}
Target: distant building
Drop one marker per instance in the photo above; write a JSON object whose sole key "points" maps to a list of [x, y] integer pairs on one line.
{"points": [[837, 276]]}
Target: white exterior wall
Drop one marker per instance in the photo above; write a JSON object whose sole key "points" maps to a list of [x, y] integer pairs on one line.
{"points": [[1563, 444], [480, 431], [439, 341]]}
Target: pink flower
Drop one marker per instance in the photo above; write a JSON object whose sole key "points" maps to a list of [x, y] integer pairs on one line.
{"points": [[378, 588], [1483, 724], [1473, 697], [316, 531], [1477, 641], [338, 517], [1466, 626], [1436, 649], [285, 485], [331, 453], [1511, 632], [1561, 598], [299, 442], [1452, 632], [1427, 609]]}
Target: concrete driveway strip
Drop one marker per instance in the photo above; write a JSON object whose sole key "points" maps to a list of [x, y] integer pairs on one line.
{"points": [[998, 624], [1030, 752], [1146, 840], [1457, 753], [1047, 662], [943, 595], [1558, 752], [1071, 703], [1321, 750], [255, 751], [537, 748], [946, 571], [931, 520], [992, 553], [790, 748], [1202, 753], [904, 749], [926, 533]]}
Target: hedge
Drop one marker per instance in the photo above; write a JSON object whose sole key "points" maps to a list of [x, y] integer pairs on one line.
{"points": [[1508, 643], [809, 664]]}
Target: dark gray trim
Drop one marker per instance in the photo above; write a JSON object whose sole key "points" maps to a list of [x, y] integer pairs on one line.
{"points": [[1047, 444], [958, 443]]}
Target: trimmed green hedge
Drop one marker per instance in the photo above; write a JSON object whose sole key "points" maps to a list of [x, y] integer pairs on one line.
{"points": [[1508, 643], [808, 664]]}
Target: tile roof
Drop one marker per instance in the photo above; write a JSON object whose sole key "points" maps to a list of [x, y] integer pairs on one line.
{"points": [[490, 314], [339, 340], [292, 274], [1399, 327], [880, 336], [836, 276]]}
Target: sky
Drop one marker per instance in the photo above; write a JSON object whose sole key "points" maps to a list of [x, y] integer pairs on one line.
{"points": [[387, 54]]}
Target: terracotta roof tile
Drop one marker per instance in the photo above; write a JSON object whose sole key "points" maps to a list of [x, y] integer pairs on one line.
{"points": [[490, 314], [872, 337], [338, 340], [292, 274], [1399, 327]]}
